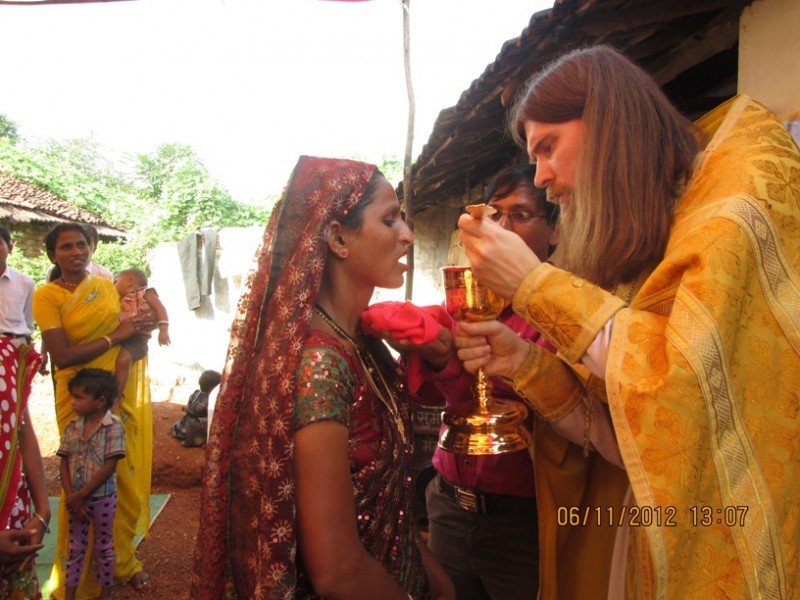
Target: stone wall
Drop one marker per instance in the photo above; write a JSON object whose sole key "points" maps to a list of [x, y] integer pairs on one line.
{"points": [[432, 231], [28, 237]]}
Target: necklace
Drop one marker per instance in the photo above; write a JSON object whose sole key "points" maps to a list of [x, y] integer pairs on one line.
{"points": [[387, 399], [68, 284]]}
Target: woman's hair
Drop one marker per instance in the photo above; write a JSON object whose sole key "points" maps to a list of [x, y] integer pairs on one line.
{"points": [[97, 383], [94, 236], [51, 239], [510, 179], [355, 216], [636, 155]]}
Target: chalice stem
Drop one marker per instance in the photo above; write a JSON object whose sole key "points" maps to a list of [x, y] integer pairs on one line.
{"points": [[483, 392]]}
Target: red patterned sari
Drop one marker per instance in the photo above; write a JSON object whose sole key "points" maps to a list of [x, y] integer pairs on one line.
{"points": [[280, 375], [18, 364]]}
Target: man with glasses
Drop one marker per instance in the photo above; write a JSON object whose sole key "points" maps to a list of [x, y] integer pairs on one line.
{"points": [[482, 509]]}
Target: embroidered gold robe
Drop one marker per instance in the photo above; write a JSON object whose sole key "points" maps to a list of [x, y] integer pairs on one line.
{"points": [[702, 381]]}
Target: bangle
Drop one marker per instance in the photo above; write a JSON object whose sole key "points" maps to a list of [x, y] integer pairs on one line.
{"points": [[36, 515], [163, 322], [108, 339]]}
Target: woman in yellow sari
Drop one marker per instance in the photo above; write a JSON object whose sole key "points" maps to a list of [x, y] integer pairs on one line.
{"points": [[78, 315]]}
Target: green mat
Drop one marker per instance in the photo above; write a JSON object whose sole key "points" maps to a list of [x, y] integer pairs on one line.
{"points": [[44, 560]]}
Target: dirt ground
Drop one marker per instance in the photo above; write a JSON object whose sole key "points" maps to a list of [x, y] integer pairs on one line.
{"points": [[167, 551]]}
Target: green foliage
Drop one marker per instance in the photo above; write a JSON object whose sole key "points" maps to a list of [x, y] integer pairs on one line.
{"points": [[36, 268], [8, 129], [119, 256], [76, 171], [390, 165], [181, 197], [160, 197]]}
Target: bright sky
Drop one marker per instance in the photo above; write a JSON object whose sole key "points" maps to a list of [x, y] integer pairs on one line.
{"points": [[249, 84]]}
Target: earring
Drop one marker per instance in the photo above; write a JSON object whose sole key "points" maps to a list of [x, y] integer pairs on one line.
{"points": [[343, 253]]}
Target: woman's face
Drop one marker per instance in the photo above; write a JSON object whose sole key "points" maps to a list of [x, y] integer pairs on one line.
{"points": [[376, 249], [72, 252]]}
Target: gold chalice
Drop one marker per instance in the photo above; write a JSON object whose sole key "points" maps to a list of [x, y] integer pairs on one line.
{"points": [[497, 426]]}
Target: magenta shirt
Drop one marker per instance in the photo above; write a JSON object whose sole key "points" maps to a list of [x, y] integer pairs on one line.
{"points": [[510, 474]]}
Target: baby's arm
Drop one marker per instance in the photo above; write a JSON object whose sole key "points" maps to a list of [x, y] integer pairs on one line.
{"points": [[152, 299]]}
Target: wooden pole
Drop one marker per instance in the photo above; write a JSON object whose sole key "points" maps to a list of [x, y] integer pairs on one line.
{"points": [[408, 192]]}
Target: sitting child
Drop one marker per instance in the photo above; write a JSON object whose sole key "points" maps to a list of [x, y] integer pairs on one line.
{"points": [[136, 298], [192, 428]]}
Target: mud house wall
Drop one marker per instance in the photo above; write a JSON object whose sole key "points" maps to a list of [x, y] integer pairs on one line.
{"points": [[769, 46], [432, 231]]}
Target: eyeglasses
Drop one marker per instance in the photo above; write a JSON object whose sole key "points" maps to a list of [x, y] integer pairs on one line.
{"points": [[518, 217]]}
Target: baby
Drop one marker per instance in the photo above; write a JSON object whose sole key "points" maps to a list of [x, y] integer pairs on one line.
{"points": [[136, 298]]}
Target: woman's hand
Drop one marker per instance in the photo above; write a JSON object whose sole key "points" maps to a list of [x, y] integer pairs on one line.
{"points": [[144, 322], [16, 546], [37, 530], [499, 258], [435, 353], [43, 366], [126, 329], [491, 345]]}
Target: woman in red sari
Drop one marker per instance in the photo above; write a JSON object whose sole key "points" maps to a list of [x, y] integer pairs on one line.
{"points": [[23, 493], [308, 483]]}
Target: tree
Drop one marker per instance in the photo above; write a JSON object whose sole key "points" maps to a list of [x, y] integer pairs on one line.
{"points": [[183, 197], [159, 197], [8, 129], [74, 169]]}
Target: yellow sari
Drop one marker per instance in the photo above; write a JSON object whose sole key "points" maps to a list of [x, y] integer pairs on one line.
{"points": [[90, 312]]}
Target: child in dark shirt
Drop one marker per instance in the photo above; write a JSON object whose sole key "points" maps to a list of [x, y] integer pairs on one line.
{"points": [[192, 428]]}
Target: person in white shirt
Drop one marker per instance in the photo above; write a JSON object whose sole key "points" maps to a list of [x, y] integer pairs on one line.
{"points": [[16, 295]]}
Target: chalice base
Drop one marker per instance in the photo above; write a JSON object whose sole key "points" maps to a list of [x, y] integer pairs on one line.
{"points": [[498, 431]]}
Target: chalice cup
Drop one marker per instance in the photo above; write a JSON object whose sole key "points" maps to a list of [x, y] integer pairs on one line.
{"points": [[494, 426]]}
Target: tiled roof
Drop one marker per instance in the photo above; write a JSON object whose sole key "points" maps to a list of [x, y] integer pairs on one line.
{"points": [[689, 46], [24, 202]]}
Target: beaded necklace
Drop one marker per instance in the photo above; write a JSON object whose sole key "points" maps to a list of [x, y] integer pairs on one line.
{"points": [[69, 284], [370, 366]]}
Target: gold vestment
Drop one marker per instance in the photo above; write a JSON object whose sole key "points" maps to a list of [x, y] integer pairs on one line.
{"points": [[702, 383]]}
